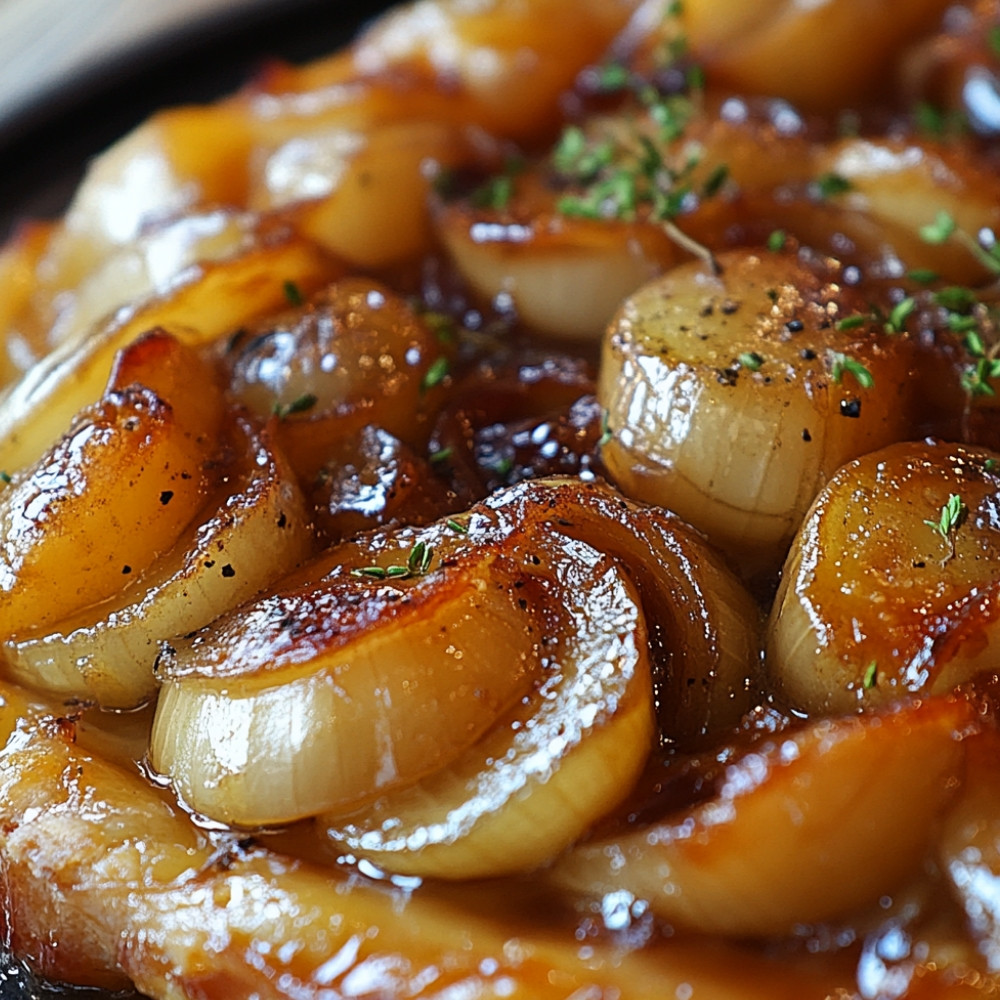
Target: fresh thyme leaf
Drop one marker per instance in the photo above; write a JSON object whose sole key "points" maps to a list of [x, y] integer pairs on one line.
{"points": [[376, 572], [503, 467], [923, 276], [751, 360], [899, 314], [293, 293], [842, 364], [975, 379], [441, 455], [606, 434], [974, 344], [4, 476], [613, 76], [435, 374], [457, 526], [962, 324], [993, 39], [953, 513], [716, 179], [495, 193], [305, 402], [830, 184], [939, 230], [852, 322], [870, 679], [955, 299], [419, 559], [776, 241]]}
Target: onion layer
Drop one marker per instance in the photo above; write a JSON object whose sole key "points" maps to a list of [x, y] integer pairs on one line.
{"points": [[252, 529], [808, 827], [731, 399], [890, 587], [206, 302], [320, 697], [546, 772]]}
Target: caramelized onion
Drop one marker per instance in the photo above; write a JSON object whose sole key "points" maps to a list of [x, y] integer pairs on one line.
{"points": [[252, 529], [777, 848], [356, 354], [888, 590], [731, 399], [818, 55], [333, 656], [969, 849], [113, 494], [320, 697], [208, 301], [550, 768]]}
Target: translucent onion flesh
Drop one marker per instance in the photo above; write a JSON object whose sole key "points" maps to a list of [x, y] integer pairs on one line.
{"points": [[544, 773], [322, 697], [811, 826], [252, 530], [727, 402], [875, 602]]}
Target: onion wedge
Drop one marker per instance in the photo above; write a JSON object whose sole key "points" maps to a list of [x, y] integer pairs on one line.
{"points": [[732, 399], [810, 826], [252, 530], [207, 301], [890, 587]]}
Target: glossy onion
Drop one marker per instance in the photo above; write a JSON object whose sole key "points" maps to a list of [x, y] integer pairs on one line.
{"points": [[545, 771], [890, 587], [322, 696], [252, 530], [355, 354], [777, 847], [206, 302], [732, 399]]}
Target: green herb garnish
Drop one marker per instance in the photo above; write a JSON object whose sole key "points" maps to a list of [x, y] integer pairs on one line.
{"points": [[776, 241], [870, 679], [842, 364], [899, 314], [435, 374], [953, 513], [300, 405], [832, 184]]}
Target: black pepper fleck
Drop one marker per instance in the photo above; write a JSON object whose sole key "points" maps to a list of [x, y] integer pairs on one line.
{"points": [[228, 570], [850, 408]]}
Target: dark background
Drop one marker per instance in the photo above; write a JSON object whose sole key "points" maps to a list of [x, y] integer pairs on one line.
{"points": [[43, 155]]}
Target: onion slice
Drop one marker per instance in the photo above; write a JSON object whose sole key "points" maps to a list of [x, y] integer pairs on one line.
{"points": [[545, 773], [890, 587], [252, 530], [321, 696], [778, 846]]}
